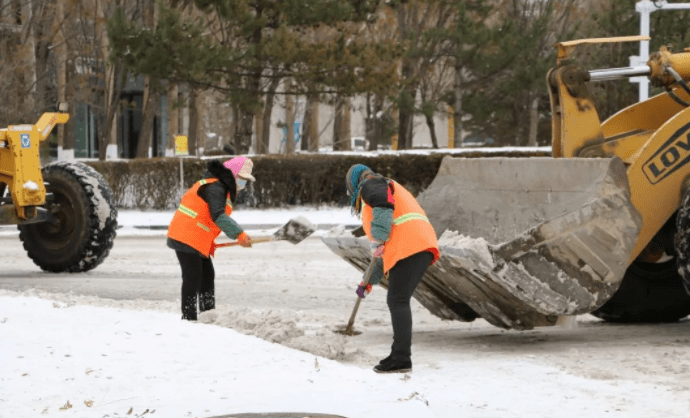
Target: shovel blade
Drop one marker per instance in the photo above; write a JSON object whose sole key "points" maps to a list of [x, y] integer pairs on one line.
{"points": [[347, 330], [295, 231]]}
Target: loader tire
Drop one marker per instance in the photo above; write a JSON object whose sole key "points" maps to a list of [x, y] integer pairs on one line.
{"points": [[81, 232], [682, 240], [649, 292]]}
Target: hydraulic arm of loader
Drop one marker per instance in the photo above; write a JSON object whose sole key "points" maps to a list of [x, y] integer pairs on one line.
{"points": [[20, 168]]}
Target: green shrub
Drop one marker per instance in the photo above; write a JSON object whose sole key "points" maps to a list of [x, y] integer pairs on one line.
{"points": [[281, 180]]}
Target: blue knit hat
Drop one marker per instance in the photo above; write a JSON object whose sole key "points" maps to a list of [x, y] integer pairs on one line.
{"points": [[352, 181]]}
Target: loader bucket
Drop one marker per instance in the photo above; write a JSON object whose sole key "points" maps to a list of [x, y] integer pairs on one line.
{"points": [[526, 240]]}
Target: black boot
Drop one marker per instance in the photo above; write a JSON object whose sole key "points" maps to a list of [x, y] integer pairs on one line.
{"points": [[189, 308], [207, 301], [394, 366], [386, 360]]}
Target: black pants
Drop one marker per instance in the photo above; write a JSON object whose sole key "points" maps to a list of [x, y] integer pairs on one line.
{"points": [[198, 278], [403, 279]]}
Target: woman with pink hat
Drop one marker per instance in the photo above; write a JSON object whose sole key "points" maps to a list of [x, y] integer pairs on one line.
{"points": [[204, 213]]}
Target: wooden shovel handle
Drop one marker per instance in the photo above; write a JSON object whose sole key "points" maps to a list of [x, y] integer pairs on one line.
{"points": [[365, 282], [253, 241]]}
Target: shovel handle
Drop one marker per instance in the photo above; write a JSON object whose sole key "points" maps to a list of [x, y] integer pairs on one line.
{"points": [[257, 240], [367, 276]]}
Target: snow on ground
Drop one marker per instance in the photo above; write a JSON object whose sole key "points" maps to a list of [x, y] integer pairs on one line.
{"points": [[78, 355], [78, 360]]}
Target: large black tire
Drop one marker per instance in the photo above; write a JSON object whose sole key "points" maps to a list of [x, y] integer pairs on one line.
{"points": [[682, 240], [649, 292], [654, 292], [82, 231]]}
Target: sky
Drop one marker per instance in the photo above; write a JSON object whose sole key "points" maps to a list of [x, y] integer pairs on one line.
{"points": [[63, 355]]}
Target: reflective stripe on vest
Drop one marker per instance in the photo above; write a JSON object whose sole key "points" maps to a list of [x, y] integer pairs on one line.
{"points": [[204, 227], [409, 217], [187, 211]]}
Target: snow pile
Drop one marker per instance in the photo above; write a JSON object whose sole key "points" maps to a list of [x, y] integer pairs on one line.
{"points": [[337, 231], [304, 222], [31, 185], [476, 248], [289, 328]]}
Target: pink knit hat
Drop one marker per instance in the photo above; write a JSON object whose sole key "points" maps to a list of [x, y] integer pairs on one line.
{"points": [[240, 167]]}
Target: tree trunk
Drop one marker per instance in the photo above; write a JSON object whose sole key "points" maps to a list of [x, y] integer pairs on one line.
{"points": [[432, 130], [245, 122], [243, 137], [258, 134], [267, 112], [341, 124], [29, 37], [406, 119], [457, 107], [369, 123], [406, 110], [67, 151], [151, 92], [289, 118], [44, 13], [313, 103], [408, 95], [173, 119], [304, 138], [377, 135], [310, 133], [533, 122], [265, 138], [107, 136], [61, 70], [235, 129], [201, 138], [149, 108], [193, 122]]}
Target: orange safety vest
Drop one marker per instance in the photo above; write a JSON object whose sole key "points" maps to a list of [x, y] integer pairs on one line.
{"points": [[192, 223], [411, 232]]}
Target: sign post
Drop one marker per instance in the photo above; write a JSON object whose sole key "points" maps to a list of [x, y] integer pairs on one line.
{"points": [[181, 150]]}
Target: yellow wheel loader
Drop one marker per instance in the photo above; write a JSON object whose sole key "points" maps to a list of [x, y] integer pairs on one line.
{"points": [[601, 227], [65, 211]]}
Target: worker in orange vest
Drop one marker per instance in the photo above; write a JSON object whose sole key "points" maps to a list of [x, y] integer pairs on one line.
{"points": [[204, 213], [403, 244]]}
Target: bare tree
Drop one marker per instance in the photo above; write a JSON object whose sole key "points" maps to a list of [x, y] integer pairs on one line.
{"points": [[341, 124], [173, 118]]}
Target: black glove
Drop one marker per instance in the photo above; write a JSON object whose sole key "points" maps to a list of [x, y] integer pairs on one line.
{"points": [[358, 232]]}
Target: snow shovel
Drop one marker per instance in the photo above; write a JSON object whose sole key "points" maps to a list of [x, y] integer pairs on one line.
{"points": [[295, 231], [347, 330]]}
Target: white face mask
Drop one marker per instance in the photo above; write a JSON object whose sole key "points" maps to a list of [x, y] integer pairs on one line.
{"points": [[241, 183]]}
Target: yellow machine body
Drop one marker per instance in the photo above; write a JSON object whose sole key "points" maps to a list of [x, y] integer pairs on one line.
{"points": [[651, 137], [20, 163]]}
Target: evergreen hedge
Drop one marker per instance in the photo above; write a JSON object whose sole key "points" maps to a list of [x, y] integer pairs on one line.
{"points": [[301, 179]]}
